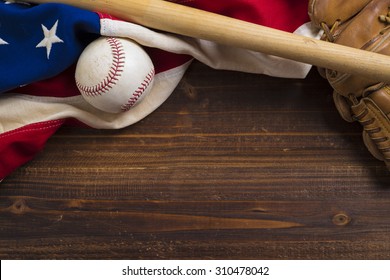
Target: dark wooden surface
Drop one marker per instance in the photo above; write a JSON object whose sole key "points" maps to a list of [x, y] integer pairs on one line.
{"points": [[232, 166]]}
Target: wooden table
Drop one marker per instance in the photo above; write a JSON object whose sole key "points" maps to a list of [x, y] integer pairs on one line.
{"points": [[232, 166]]}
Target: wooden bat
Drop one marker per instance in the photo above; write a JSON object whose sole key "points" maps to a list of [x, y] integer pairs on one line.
{"points": [[179, 19]]}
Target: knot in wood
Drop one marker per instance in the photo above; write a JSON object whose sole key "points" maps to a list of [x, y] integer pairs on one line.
{"points": [[19, 206], [341, 219]]}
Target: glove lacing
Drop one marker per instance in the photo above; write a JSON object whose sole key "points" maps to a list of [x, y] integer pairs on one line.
{"points": [[376, 140]]}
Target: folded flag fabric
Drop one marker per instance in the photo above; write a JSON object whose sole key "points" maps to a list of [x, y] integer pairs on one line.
{"points": [[40, 44]]}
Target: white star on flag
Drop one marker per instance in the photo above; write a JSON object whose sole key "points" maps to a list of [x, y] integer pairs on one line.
{"points": [[50, 38], [2, 42]]}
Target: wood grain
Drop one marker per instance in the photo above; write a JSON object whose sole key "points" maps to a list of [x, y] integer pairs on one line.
{"points": [[232, 166]]}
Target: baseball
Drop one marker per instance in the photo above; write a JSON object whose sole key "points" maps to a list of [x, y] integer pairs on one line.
{"points": [[114, 74]]}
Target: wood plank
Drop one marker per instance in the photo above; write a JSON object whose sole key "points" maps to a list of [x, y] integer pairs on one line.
{"points": [[232, 166]]}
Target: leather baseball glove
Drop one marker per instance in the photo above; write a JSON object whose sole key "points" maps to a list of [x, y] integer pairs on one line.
{"points": [[365, 25]]}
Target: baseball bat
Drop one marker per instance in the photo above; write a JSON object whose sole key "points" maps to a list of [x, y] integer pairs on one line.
{"points": [[179, 19]]}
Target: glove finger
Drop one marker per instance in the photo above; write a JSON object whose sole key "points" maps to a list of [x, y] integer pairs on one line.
{"points": [[343, 106]]}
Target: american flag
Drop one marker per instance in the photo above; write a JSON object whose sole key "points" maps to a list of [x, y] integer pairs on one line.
{"points": [[40, 44]]}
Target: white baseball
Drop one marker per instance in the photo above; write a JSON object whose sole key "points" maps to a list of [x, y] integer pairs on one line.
{"points": [[114, 74]]}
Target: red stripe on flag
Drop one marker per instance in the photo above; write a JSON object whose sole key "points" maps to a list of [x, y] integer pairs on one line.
{"points": [[286, 15], [21, 145]]}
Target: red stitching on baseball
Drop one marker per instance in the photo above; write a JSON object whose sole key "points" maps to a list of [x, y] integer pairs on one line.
{"points": [[139, 91], [114, 74]]}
